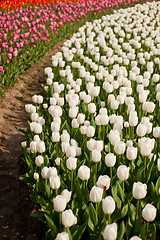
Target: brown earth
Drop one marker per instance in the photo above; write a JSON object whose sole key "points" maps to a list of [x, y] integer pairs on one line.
{"points": [[15, 203]]}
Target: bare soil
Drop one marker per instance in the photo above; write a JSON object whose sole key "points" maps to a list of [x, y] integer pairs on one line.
{"points": [[15, 203]]}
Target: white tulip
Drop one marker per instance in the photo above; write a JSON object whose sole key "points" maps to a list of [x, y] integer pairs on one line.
{"points": [[36, 176], [55, 136], [110, 232], [158, 164], [84, 172], [110, 160], [120, 147], [139, 190], [62, 236], [149, 213], [135, 238], [68, 218], [44, 172], [96, 194], [71, 163], [66, 194], [59, 203], [123, 172], [131, 153], [108, 205], [103, 182], [96, 156], [54, 182], [90, 131]]}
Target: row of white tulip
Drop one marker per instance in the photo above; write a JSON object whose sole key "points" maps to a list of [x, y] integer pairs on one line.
{"points": [[94, 139]]}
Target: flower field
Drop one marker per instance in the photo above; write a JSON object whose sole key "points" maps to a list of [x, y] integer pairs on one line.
{"points": [[93, 148], [28, 29]]}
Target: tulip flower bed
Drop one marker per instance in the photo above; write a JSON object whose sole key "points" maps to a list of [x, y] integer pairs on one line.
{"points": [[93, 152], [28, 29]]}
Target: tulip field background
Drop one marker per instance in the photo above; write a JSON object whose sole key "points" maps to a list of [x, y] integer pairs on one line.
{"points": [[80, 120]]}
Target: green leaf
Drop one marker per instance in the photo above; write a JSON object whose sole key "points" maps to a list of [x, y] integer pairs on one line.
{"points": [[51, 225], [48, 235], [157, 185], [93, 214], [90, 224], [153, 231], [115, 196], [120, 190], [120, 214], [38, 215], [121, 231], [69, 233], [47, 188], [78, 233], [129, 227], [79, 192], [27, 178], [149, 171], [21, 130]]}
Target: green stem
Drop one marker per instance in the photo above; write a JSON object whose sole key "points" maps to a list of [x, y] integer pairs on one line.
{"points": [[56, 192], [111, 175], [71, 180], [109, 219], [147, 228], [132, 167], [96, 166], [84, 184], [60, 221], [103, 133], [138, 204], [123, 185], [145, 164]]}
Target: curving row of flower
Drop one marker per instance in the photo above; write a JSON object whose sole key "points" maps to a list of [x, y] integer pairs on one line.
{"points": [[26, 33], [93, 151]]}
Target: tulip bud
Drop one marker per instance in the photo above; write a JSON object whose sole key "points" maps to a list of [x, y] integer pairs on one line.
{"points": [[96, 156], [41, 147], [91, 108], [39, 160], [71, 151], [44, 172], [62, 236], [123, 172], [59, 203], [110, 160], [131, 153], [24, 144], [68, 218], [135, 238], [120, 147], [149, 213], [156, 132], [139, 190], [54, 182], [66, 194], [110, 232], [96, 194], [90, 131], [81, 118], [55, 136], [71, 163], [108, 205], [52, 171], [84, 172], [58, 161], [36, 176], [158, 164]]}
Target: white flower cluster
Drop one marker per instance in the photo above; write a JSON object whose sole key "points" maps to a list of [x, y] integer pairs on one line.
{"points": [[106, 88]]}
